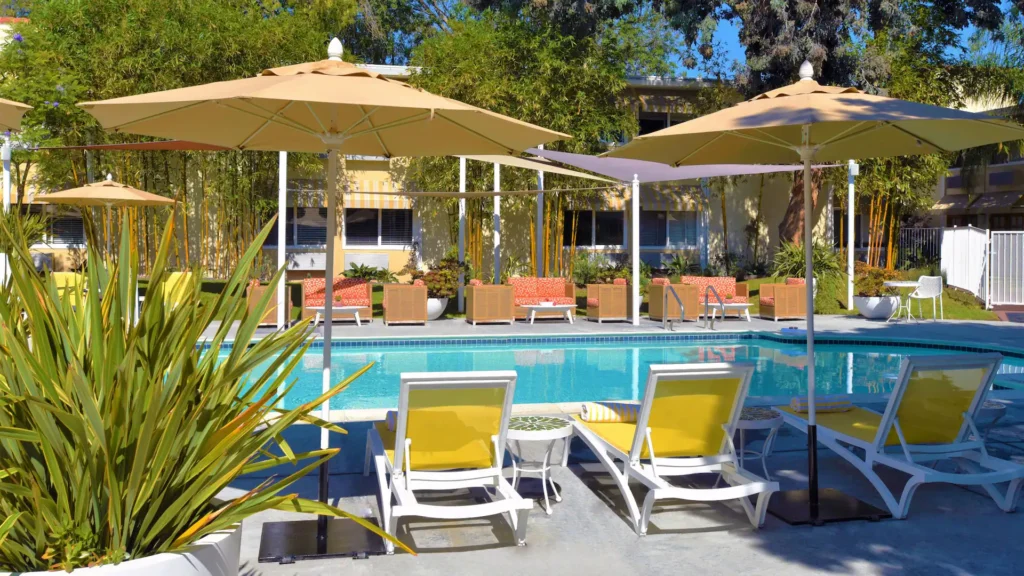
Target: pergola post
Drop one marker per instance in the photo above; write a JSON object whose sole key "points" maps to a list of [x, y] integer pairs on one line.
{"points": [[462, 231], [282, 233], [538, 236], [634, 247], [497, 224], [853, 170]]}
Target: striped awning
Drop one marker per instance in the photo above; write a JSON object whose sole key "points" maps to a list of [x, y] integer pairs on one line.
{"points": [[374, 194], [685, 199]]}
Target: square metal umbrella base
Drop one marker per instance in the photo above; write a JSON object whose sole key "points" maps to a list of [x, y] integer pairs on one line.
{"points": [[288, 542], [793, 508]]}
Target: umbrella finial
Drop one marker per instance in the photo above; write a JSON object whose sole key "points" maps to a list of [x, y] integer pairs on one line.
{"points": [[806, 71], [335, 50]]}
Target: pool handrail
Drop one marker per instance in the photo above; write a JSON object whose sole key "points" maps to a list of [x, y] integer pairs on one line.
{"points": [[665, 320], [707, 306]]}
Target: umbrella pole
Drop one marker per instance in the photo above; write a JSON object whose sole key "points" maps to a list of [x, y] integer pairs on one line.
{"points": [[325, 412], [807, 154]]}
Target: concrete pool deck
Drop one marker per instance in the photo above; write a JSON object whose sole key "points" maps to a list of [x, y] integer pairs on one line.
{"points": [[950, 530]]}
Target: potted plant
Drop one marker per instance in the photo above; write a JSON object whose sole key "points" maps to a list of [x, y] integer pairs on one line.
{"points": [[873, 299], [442, 284], [118, 432]]}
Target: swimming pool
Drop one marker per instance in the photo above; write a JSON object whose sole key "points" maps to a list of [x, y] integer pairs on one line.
{"points": [[586, 369]]}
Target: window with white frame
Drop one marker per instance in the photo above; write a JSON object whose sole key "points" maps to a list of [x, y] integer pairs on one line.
{"points": [[595, 228], [668, 229], [65, 230], [304, 227], [380, 227]]}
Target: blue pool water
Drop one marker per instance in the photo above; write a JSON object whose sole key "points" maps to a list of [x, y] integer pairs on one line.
{"points": [[572, 372]]}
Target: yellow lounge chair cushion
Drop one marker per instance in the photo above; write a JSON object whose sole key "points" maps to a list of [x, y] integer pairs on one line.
{"points": [[686, 419], [857, 423]]}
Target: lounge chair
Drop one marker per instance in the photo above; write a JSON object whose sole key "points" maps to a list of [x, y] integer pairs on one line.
{"points": [[684, 426], [662, 303], [255, 291], [784, 301], [488, 303], [448, 434], [608, 301], [930, 419]]}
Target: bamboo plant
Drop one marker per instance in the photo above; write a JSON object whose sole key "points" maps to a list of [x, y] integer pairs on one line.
{"points": [[117, 432]]}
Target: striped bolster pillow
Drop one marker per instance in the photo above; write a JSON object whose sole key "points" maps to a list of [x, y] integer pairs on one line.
{"points": [[823, 406], [610, 412], [391, 420]]}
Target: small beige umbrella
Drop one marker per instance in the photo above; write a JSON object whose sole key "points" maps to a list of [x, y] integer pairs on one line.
{"points": [[105, 194], [808, 122], [327, 106], [11, 113]]}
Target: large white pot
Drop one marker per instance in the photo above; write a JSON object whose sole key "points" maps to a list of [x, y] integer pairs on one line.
{"points": [[875, 307], [436, 307], [213, 555]]}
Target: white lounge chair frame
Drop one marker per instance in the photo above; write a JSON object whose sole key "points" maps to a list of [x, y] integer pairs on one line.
{"points": [[402, 482], [652, 472], [978, 466]]}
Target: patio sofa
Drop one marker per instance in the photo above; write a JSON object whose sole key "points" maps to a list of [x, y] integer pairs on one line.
{"points": [[255, 291], [784, 301], [489, 303], [529, 290], [728, 290], [405, 303], [347, 292], [608, 301], [658, 308]]}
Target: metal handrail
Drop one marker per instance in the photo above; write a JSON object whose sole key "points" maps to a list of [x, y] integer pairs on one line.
{"points": [[707, 305], [665, 320]]}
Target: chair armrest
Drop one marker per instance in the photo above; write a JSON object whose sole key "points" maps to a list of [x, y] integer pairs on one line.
{"points": [[743, 289], [570, 289]]}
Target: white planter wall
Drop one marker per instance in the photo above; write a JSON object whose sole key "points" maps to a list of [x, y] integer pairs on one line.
{"points": [[213, 555]]}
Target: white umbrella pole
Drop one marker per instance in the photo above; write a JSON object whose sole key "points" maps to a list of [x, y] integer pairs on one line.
{"points": [[5, 153], [538, 225], [497, 224], [282, 232], [462, 231], [634, 248], [807, 154], [325, 410], [852, 171]]}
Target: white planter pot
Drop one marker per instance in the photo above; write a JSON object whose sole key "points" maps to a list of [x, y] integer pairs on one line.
{"points": [[436, 307], [213, 555], [875, 307]]}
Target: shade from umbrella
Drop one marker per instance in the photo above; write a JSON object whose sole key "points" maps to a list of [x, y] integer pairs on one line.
{"points": [[11, 113], [808, 122], [330, 106], [106, 193]]}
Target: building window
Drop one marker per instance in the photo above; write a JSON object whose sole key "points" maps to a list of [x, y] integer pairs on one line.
{"points": [[67, 231], [1006, 222], [595, 229], [304, 227], [378, 227], [668, 229], [962, 220]]}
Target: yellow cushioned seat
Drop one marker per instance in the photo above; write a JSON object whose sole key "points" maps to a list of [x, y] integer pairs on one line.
{"points": [[857, 423]]}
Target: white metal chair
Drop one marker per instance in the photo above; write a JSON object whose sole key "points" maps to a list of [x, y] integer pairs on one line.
{"points": [[449, 434], [929, 287]]}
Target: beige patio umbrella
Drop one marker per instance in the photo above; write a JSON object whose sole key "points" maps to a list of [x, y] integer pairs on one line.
{"points": [[808, 122], [11, 113], [105, 194], [327, 106]]}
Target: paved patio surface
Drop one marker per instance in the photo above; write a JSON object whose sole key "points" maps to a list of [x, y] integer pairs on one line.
{"points": [[950, 530]]}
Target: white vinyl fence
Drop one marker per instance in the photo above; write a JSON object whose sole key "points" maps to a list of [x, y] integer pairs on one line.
{"points": [[1007, 268], [964, 259]]}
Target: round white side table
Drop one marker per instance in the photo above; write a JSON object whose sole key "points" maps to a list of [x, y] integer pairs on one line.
{"points": [[758, 418], [548, 429]]}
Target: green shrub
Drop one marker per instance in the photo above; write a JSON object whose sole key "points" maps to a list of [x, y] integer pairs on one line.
{"points": [[870, 280], [117, 433], [587, 268], [679, 265], [790, 262], [371, 273], [443, 280]]}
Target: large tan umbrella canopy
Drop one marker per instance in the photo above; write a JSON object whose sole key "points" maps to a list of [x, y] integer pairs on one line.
{"points": [[105, 194], [11, 113], [327, 106], [808, 122]]}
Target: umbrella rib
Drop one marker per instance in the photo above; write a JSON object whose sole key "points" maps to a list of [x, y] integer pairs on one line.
{"points": [[364, 118], [845, 134], [402, 122], [157, 115], [468, 129], [699, 148], [286, 122], [925, 140], [778, 141], [266, 123], [323, 129], [380, 140]]}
